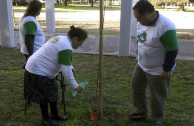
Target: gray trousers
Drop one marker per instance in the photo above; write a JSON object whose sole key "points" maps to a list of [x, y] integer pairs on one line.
{"points": [[158, 89]]}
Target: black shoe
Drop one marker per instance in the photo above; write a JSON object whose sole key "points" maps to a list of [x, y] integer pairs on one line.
{"points": [[48, 122], [29, 103], [156, 123], [59, 118], [137, 116]]}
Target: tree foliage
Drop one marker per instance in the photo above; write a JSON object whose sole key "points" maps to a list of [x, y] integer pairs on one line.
{"points": [[180, 3], [171, 1]]}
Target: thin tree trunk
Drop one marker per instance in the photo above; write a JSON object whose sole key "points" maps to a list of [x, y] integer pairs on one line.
{"points": [[65, 2], [181, 7], [16, 2], [21, 1], [92, 3]]}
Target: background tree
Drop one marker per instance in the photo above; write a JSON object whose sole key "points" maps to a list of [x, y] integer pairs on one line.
{"points": [[15, 2], [156, 2], [21, 2], [92, 3], [180, 3], [65, 2]]}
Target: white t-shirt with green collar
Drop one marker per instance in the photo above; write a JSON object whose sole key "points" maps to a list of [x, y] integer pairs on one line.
{"points": [[153, 42], [54, 56], [30, 26]]}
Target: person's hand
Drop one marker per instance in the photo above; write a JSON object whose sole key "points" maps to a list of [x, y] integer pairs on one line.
{"points": [[79, 89], [74, 73], [164, 75]]}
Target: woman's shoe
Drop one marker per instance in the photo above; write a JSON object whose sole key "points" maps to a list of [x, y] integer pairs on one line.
{"points": [[48, 122], [59, 118]]}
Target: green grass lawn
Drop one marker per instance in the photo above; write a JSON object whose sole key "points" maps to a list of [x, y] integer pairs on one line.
{"points": [[117, 93]]}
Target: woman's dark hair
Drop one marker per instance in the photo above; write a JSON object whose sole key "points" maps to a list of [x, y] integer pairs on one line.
{"points": [[77, 32], [33, 8], [144, 6]]}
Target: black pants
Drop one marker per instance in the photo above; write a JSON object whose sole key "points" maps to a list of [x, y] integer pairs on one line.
{"points": [[39, 89], [53, 109]]}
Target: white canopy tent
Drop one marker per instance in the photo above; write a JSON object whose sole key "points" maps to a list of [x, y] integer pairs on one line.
{"points": [[6, 24], [127, 27], [50, 15]]}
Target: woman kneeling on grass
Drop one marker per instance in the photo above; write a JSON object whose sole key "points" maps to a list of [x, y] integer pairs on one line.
{"points": [[43, 66]]}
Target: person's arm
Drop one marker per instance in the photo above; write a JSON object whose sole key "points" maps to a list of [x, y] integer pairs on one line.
{"points": [[68, 75], [29, 42], [73, 70], [170, 43], [29, 32], [169, 60], [65, 60], [169, 63]]}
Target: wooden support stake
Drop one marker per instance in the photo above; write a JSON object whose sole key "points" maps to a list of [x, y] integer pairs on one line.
{"points": [[101, 59]]}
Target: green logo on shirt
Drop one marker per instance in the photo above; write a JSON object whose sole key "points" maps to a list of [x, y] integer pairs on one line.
{"points": [[142, 37]]}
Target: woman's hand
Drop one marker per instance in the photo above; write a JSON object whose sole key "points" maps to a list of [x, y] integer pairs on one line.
{"points": [[79, 89]]}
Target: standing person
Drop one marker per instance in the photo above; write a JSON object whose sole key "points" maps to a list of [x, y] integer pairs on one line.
{"points": [[157, 50], [43, 66], [31, 34]]}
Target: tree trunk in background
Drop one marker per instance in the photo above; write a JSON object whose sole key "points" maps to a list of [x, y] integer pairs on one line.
{"points": [[21, 1], [181, 7], [92, 3], [65, 2], [16, 2], [110, 2]]}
